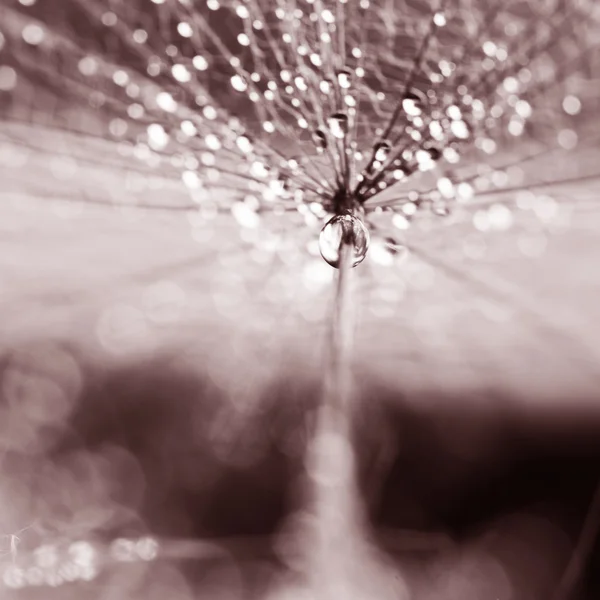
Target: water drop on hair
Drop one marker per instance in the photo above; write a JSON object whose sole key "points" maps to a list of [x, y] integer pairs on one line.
{"points": [[340, 230]]}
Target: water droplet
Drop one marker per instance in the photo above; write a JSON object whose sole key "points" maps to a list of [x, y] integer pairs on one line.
{"points": [[238, 83], [382, 150], [460, 129], [244, 144], [157, 136], [454, 112], [165, 101], [185, 30], [424, 160], [320, 140], [181, 73], [439, 19], [344, 77], [338, 124], [344, 229], [200, 63], [413, 102], [445, 187]]}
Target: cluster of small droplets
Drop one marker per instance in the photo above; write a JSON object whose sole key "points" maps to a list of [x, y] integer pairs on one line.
{"points": [[266, 108], [61, 564]]}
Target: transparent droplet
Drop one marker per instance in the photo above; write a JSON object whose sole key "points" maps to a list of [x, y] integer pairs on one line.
{"points": [[434, 153], [460, 129], [424, 160], [165, 101], [238, 83], [454, 112], [200, 63], [282, 184], [412, 103], [344, 77], [181, 73], [445, 187], [244, 144], [439, 19], [320, 140], [338, 124], [344, 230], [382, 149], [157, 136]]}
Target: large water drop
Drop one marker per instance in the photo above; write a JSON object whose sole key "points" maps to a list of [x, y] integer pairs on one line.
{"points": [[344, 230]]}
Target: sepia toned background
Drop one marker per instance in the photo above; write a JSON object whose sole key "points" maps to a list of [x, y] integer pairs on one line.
{"points": [[163, 356]]}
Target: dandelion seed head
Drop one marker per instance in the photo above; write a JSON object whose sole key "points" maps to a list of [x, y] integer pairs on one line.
{"points": [[325, 85]]}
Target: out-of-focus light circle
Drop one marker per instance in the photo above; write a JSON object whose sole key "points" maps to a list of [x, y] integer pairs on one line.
{"points": [[165, 101], [33, 34], [181, 73], [8, 78], [200, 63], [157, 136], [185, 29], [88, 65], [238, 83], [571, 105], [568, 139]]}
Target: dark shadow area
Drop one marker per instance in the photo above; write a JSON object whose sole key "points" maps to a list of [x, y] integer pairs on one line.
{"points": [[522, 484], [210, 468], [157, 447]]}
